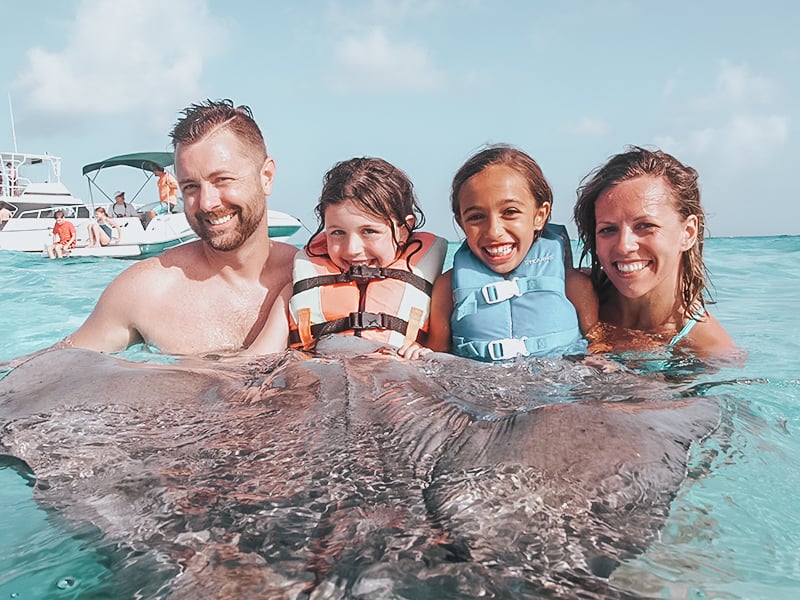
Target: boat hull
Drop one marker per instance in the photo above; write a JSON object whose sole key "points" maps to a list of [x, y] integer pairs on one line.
{"points": [[163, 232]]}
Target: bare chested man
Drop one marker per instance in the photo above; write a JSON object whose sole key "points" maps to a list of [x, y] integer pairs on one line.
{"points": [[219, 292]]}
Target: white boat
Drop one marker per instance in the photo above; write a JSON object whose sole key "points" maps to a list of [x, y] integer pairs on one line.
{"points": [[36, 193]]}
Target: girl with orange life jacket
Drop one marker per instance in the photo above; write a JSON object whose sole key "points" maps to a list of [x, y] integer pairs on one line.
{"points": [[367, 271]]}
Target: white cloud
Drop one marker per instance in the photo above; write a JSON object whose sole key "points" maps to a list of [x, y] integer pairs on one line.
{"points": [[735, 123], [737, 84], [122, 58], [350, 15], [589, 126], [374, 63], [739, 142]]}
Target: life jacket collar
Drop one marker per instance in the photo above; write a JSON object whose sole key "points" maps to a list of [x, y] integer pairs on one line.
{"points": [[366, 272]]}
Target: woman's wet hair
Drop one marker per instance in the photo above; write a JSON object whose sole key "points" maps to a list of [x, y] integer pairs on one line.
{"points": [[682, 182], [375, 186], [507, 156]]}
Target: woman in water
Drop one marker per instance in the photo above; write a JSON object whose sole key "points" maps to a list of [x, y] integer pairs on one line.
{"points": [[642, 226]]}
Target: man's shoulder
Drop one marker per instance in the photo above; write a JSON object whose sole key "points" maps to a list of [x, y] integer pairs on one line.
{"points": [[281, 250], [281, 262], [186, 255], [170, 264]]}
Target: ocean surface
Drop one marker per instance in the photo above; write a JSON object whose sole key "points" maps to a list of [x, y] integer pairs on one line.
{"points": [[732, 533]]}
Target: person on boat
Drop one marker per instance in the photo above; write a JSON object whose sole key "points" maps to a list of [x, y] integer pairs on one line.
{"points": [[217, 293], [167, 192], [5, 214], [64, 237], [13, 187], [512, 290], [120, 208], [641, 224], [367, 271], [101, 232]]}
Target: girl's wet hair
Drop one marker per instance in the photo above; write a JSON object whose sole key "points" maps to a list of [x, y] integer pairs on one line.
{"points": [[507, 156], [375, 186], [682, 182]]}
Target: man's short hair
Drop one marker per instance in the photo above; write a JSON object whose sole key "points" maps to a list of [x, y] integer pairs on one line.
{"points": [[199, 120]]}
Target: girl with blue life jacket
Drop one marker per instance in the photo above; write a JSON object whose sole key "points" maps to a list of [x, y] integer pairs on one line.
{"points": [[512, 290], [367, 271]]}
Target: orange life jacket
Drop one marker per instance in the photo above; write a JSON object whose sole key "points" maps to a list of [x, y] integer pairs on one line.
{"points": [[386, 304]]}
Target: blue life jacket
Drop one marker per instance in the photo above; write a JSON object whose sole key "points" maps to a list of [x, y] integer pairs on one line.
{"points": [[525, 313]]}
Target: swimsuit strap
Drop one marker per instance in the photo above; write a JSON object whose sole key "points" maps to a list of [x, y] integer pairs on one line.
{"points": [[687, 328]]}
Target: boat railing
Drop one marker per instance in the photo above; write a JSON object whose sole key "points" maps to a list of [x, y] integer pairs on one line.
{"points": [[17, 188], [13, 182], [75, 211]]}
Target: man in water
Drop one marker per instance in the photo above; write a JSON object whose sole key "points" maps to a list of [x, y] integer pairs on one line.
{"points": [[219, 292]]}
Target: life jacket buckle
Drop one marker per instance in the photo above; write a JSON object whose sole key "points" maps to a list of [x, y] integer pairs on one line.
{"points": [[507, 348], [366, 272], [365, 320], [500, 291]]}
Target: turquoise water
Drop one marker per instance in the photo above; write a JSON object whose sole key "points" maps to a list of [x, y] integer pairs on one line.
{"points": [[732, 533]]}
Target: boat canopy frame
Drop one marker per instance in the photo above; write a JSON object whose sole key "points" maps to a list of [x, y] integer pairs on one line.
{"points": [[12, 188], [144, 161]]}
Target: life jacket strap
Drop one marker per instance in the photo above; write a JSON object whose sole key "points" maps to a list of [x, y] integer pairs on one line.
{"points": [[359, 273], [414, 324], [358, 321], [510, 348], [304, 328]]}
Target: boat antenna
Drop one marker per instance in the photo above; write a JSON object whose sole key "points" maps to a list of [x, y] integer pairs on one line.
{"points": [[13, 131]]}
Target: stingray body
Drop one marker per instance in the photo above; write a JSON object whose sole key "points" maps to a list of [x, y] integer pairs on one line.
{"points": [[348, 474]]}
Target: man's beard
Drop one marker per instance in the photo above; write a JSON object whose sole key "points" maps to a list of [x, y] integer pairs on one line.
{"points": [[249, 220]]}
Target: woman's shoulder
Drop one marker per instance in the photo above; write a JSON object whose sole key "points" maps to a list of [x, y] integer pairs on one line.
{"points": [[708, 336]]}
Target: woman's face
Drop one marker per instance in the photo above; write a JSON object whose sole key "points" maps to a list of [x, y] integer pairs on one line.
{"points": [[641, 237]]}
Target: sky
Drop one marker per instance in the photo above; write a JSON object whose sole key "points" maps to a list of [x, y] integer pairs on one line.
{"points": [[424, 84]]}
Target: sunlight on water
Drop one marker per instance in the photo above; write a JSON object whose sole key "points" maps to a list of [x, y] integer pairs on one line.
{"points": [[730, 533], [49, 563]]}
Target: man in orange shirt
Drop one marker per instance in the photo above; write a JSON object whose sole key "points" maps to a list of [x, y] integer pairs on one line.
{"points": [[64, 236], [167, 192]]}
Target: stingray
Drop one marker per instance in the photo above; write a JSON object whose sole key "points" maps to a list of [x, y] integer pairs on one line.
{"points": [[350, 473]]}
